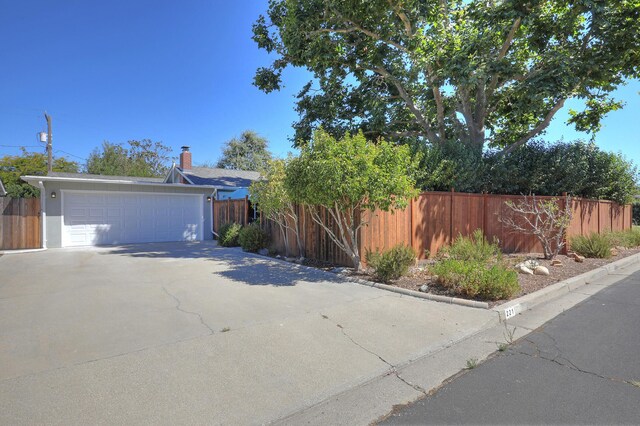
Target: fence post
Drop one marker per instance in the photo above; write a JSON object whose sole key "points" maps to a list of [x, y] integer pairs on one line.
{"points": [[563, 206], [246, 210], [484, 213], [598, 216], [411, 223], [451, 217]]}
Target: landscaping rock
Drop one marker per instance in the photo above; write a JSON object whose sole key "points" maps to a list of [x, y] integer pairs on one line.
{"points": [[556, 262], [424, 288], [263, 252], [531, 264], [614, 252], [290, 259], [341, 270], [578, 258], [541, 270], [300, 260], [523, 269]]}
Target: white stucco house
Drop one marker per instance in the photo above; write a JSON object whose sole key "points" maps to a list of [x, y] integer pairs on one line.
{"points": [[87, 210]]}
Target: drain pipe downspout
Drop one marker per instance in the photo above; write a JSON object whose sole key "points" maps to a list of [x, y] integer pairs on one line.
{"points": [[43, 214], [213, 197]]}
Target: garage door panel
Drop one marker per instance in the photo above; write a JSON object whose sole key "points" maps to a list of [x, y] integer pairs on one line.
{"points": [[117, 218]]}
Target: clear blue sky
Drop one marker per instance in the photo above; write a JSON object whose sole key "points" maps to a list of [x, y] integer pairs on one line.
{"points": [[177, 72]]}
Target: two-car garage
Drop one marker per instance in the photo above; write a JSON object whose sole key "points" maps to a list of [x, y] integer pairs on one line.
{"points": [[103, 210], [106, 217]]}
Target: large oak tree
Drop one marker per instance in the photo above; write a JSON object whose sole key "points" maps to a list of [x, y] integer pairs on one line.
{"points": [[470, 71]]}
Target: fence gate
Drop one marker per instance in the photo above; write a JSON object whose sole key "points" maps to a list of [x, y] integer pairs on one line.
{"points": [[20, 223]]}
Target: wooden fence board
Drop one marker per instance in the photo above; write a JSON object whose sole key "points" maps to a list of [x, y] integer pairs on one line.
{"points": [[434, 219], [20, 223]]}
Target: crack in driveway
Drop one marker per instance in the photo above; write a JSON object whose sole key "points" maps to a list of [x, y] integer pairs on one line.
{"points": [[179, 308], [392, 368]]}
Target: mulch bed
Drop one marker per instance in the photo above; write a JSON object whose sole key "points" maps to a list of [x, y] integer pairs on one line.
{"points": [[420, 275]]}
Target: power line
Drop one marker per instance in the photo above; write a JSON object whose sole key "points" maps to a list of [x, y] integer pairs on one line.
{"points": [[21, 146], [68, 153]]}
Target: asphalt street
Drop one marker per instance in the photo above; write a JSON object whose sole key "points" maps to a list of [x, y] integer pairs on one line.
{"points": [[582, 367]]}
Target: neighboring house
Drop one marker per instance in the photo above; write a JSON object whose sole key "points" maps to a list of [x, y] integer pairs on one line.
{"points": [[3, 192], [229, 183], [87, 210]]}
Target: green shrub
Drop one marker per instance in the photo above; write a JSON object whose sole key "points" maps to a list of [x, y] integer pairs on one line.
{"points": [[228, 234], [474, 278], [391, 264], [253, 238], [628, 238], [476, 248], [594, 245], [633, 237]]}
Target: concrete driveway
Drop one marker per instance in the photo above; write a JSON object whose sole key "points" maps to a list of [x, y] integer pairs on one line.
{"points": [[193, 333]]}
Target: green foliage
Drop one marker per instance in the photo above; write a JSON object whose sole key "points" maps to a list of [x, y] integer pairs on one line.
{"points": [[351, 172], [273, 201], [269, 193], [626, 238], [578, 168], [29, 163], [347, 177], [391, 264], [475, 248], [228, 234], [594, 245], [143, 158], [253, 238], [477, 279], [460, 70], [249, 152]]}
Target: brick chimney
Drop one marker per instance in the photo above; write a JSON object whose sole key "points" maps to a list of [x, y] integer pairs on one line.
{"points": [[185, 158]]}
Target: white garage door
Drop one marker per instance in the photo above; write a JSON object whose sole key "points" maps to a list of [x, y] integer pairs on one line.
{"points": [[93, 218]]}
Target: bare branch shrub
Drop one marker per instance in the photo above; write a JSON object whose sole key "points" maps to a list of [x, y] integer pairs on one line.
{"points": [[547, 220]]}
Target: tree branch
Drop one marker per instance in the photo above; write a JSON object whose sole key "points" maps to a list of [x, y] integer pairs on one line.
{"points": [[536, 130], [410, 104], [502, 53]]}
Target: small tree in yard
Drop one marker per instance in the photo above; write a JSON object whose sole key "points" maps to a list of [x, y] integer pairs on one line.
{"points": [[347, 177], [546, 219], [274, 202]]}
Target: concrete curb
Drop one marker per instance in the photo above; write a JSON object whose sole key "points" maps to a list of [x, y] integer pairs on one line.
{"points": [[21, 251], [528, 301], [505, 310], [419, 294]]}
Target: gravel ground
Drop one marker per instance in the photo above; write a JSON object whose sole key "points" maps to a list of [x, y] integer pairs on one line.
{"points": [[419, 276]]}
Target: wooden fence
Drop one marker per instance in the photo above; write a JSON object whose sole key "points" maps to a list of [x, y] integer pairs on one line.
{"points": [[225, 211], [19, 223], [434, 219]]}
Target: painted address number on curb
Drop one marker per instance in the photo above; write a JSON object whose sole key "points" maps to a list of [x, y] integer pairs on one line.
{"points": [[510, 312]]}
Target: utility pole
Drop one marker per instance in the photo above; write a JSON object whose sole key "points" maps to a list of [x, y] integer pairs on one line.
{"points": [[49, 146]]}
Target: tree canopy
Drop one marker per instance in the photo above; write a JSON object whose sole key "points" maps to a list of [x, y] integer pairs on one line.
{"points": [[248, 152], [29, 163], [470, 71], [348, 177], [143, 158]]}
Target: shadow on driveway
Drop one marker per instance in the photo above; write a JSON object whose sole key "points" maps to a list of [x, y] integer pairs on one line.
{"points": [[246, 268]]}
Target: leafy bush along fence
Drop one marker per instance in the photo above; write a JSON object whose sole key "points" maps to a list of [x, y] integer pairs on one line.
{"points": [[433, 219], [230, 211]]}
